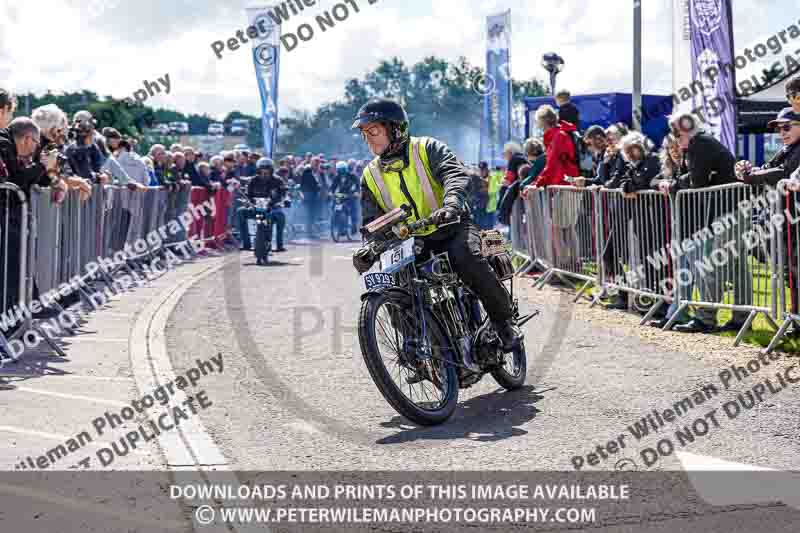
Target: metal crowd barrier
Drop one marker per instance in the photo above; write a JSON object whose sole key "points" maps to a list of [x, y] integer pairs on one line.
{"points": [[213, 230], [537, 211], [519, 235], [14, 261], [60, 241], [723, 267], [573, 235], [635, 233], [709, 249], [785, 217]]}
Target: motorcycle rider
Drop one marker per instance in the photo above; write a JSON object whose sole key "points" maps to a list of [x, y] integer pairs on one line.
{"points": [[264, 185], [426, 175], [348, 184]]}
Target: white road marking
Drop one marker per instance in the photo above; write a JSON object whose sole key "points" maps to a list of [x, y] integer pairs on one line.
{"points": [[189, 443], [58, 437], [78, 340], [72, 396], [189, 449], [83, 376]]}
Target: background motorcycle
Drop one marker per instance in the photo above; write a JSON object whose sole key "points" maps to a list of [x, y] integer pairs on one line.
{"points": [[340, 220], [263, 227]]}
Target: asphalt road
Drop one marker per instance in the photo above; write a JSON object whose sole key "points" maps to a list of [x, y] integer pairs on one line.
{"points": [[295, 393]]}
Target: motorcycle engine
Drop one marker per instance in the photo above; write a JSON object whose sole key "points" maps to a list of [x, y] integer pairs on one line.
{"points": [[486, 349]]}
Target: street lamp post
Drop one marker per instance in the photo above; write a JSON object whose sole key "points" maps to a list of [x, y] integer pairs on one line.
{"points": [[553, 63], [636, 100]]}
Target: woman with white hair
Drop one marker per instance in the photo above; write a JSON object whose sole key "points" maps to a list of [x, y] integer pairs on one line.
{"points": [[643, 165], [53, 124]]}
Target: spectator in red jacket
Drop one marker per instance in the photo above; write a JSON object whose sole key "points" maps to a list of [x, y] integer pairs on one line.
{"points": [[559, 146]]}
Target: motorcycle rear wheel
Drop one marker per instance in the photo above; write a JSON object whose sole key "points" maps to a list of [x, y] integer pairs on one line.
{"points": [[511, 375], [381, 320]]}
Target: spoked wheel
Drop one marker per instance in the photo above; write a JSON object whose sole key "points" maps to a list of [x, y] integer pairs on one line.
{"points": [[339, 227], [514, 367], [263, 244], [425, 392]]}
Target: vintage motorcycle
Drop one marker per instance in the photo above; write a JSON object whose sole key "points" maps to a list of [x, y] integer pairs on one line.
{"points": [[261, 225], [341, 229], [423, 333]]}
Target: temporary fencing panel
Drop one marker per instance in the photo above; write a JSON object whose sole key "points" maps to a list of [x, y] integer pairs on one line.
{"points": [[635, 237], [709, 249], [222, 229], [573, 234], [64, 238], [202, 227], [537, 210], [14, 260], [721, 264], [519, 234], [785, 245]]}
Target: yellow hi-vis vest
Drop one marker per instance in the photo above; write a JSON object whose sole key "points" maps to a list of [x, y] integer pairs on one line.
{"points": [[426, 193], [495, 182]]}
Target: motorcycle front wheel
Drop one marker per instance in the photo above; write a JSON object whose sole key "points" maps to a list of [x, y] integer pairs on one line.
{"points": [[426, 395], [262, 244], [339, 227]]}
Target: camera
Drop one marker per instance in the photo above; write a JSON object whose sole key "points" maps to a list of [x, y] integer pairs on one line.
{"points": [[61, 158], [80, 129]]}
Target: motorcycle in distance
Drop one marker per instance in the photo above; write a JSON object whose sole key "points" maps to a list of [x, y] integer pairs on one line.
{"points": [[422, 332], [340, 220], [261, 225]]}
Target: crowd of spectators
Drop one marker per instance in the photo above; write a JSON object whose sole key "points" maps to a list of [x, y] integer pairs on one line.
{"points": [[689, 158], [47, 149]]}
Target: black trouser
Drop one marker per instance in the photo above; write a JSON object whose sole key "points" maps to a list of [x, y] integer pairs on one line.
{"points": [[463, 246]]}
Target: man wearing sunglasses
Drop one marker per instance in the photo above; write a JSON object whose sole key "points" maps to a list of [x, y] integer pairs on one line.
{"points": [[424, 174], [785, 162]]}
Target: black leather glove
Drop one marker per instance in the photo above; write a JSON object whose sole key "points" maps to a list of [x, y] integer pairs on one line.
{"points": [[363, 260], [445, 215]]}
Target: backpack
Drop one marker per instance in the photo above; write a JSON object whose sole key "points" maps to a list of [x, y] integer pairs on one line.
{"points": [[583, 157]]}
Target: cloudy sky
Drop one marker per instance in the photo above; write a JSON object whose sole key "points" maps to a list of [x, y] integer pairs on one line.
{"points": [[111, 46]]}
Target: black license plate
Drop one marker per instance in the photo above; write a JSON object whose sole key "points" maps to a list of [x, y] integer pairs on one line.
{"points": [[375, 280]]}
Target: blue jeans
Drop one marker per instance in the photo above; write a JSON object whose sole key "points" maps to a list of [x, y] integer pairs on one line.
{"points": [[353, 207], [278, 221], [680, 292]]}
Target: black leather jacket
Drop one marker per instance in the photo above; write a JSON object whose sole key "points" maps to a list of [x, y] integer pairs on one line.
{"points": [[271, 187], [780, 167]]}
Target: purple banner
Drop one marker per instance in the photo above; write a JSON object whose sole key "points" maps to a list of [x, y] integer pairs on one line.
{"points": [[712, 46]]}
